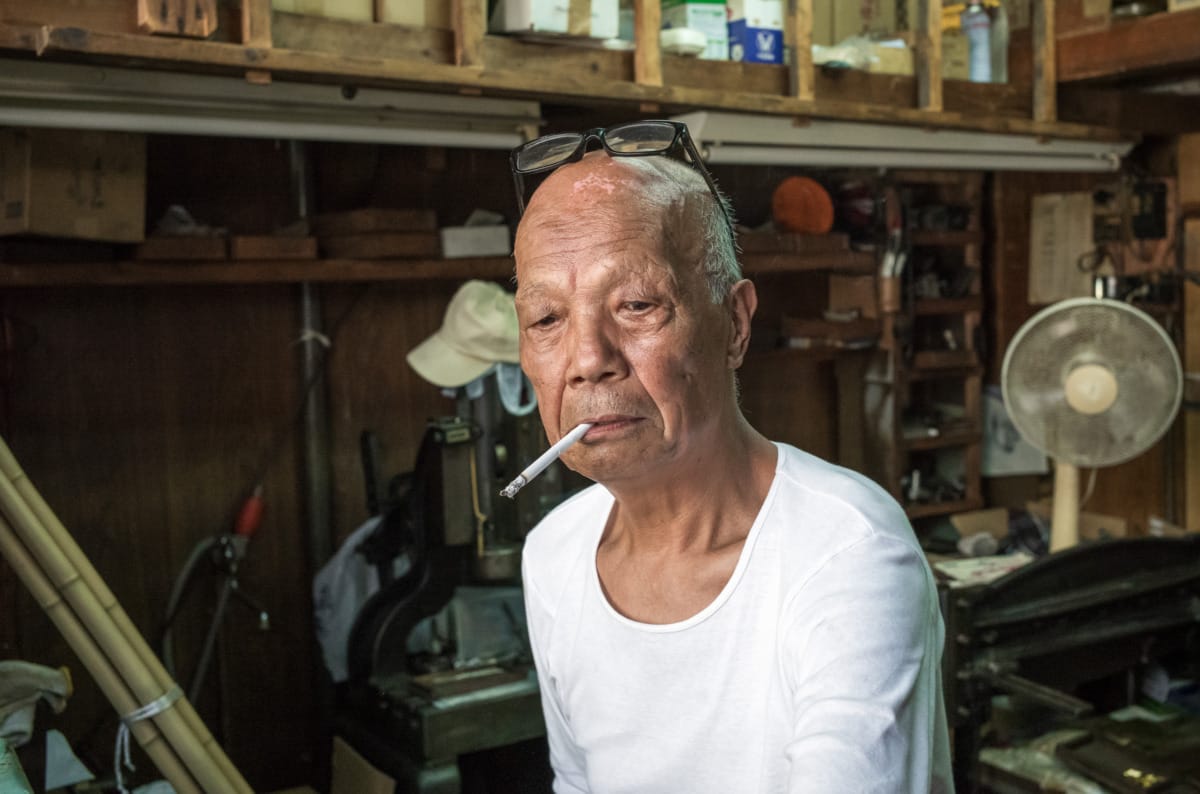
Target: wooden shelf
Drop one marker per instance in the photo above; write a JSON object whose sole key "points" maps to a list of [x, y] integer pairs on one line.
{"points": [[958, 237], [942, 508], [933, 306], [275, 272], [131, 273], [960, 438], [925, 360], [811, 354], [296, 47], [946, 373], [1156, 44], [863, 262]]}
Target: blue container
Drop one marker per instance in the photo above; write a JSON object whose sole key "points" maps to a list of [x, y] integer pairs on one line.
{"points": [[754, 45]]}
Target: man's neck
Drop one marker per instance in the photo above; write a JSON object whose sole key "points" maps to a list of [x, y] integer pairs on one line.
{"points": [[703, 504]]}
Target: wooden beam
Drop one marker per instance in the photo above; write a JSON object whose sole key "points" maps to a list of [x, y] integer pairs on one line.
{"points": [[1136, 111], [1045, 80], [575, 85], [1191, 363], [1156, 43], [252, 272], [470, 26], [802, 78], [928, 56], [647, 55]]}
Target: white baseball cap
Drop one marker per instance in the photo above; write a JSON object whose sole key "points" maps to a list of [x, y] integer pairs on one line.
{"points": [[479, 329]]}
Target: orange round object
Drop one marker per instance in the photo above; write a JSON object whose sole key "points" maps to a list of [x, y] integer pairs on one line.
{"points": [[801, 205]]}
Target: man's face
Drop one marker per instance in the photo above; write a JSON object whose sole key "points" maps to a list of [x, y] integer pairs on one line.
{"points": [[613, 332]]}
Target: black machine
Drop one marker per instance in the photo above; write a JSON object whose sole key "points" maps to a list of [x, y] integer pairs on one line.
{"points": [[413, 713], [1068, 632]]}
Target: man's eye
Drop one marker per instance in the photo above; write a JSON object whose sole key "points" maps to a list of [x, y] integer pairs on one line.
{"points": [[639, 306], [545, 322]]}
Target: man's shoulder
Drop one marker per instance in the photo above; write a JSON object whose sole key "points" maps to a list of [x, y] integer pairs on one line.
{"points": [[823, 513], [842, 495]]}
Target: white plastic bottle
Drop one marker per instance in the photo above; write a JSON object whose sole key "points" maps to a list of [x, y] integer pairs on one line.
{"points": [[977, 27]]}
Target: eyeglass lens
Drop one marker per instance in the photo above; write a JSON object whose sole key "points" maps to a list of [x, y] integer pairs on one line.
{"points": [[551, 150], [547, 151], [647, 137]]}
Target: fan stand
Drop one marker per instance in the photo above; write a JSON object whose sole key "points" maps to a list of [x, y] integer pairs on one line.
{"points": [[1064, 523]]}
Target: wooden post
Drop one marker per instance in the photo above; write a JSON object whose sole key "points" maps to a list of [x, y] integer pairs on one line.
{"points": [[470, 26], [193, 18], [799, 30], [1045, 68], [647, 55], [1191, 363], [929, 55], [256, 23], [579, 17]]}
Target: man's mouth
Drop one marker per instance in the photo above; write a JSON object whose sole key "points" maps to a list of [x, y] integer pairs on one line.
{"points": [[609, 424]]}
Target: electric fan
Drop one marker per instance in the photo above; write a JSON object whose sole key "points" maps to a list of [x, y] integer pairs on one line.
{"points": [[1091, 382]]}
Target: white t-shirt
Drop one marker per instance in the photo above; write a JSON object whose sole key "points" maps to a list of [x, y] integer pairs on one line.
{"points": [[816, 669]]}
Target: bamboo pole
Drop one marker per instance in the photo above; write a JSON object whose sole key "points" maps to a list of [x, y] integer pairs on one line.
{"points": [[67, 580], [11, 468], [93, 659]]}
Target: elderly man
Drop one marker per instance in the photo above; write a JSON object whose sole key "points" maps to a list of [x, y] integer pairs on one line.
{"points": [[720, 613]]}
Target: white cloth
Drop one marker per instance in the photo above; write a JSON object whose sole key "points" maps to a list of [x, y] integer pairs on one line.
{"points": [[340, 589], [815, 670]]}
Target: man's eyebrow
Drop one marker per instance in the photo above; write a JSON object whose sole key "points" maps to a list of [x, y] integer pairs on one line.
{"points": [[531, 292]]}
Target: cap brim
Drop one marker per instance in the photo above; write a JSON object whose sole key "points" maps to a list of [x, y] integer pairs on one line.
{"points": [[442, 365]]}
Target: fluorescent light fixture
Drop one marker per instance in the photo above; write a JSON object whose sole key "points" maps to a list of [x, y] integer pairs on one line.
{"points": [[777, 140], [98, 97]]}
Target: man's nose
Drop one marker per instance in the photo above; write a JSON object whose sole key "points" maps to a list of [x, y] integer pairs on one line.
{"points": [[595, 353]]}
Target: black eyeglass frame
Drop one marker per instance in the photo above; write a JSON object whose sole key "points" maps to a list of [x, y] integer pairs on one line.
{"points": [[681, 139]]}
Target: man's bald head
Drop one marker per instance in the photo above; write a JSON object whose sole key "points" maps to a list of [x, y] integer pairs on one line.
{"points": [[668, 196]]}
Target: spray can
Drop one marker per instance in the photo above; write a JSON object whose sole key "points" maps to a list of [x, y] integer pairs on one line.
{"points": [[977, 26]]}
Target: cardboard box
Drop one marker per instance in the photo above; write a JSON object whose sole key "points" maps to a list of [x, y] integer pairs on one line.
{"points": [[755, 30], [354, 10], [353, 774], [463, 241], [888, 59], [993, 521], [554, 17], [707, 16], [417, 13], [854, 292], [1092, 526], [755, 43], [757, 13], [87, 185]]}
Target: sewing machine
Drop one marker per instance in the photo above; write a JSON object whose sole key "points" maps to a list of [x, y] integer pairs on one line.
{"points": [[424, 691]]}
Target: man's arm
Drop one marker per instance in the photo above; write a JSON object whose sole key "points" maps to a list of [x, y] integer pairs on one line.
{"points": [[861, 651], [565, 757]]}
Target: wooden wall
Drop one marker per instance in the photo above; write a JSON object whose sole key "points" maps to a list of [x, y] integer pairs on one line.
{"points": [[146, 415]]}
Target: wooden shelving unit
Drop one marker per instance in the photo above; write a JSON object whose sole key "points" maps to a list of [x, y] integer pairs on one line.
{"points": [[923, 395], [1157, 44], [272, 45], [138, 272]]}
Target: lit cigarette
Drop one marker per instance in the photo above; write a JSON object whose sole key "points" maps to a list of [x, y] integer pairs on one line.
{"points": [[547, 457]]}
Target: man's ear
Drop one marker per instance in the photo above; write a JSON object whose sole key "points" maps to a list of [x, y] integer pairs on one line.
{"points": [[743, 300]]}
